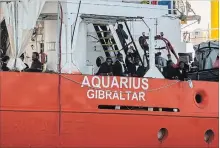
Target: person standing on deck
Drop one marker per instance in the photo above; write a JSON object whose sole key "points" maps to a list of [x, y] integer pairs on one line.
{"points": [[36, 64], [122, 35], [106, 68], [130, 65], [144, 45], [160, 61], [143, 42], [140, 69], [119, 68], [182, 71]]}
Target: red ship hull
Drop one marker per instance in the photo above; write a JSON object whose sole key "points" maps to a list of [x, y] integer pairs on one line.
{"points": [[49, 110]]}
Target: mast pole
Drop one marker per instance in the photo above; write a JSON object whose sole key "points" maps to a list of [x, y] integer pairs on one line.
{"points": [[152, 48], [16, 30]]}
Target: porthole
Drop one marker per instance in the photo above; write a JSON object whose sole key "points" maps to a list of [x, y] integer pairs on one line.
{"points": [[209, 136], [201, 99], [162, 134], [198, 98]]}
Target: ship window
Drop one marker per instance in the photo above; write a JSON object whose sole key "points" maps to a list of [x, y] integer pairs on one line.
{"points": [[209, 136]]}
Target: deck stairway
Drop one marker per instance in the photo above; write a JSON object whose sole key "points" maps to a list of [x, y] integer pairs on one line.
{"points": [[106, 32], [106, 39]]}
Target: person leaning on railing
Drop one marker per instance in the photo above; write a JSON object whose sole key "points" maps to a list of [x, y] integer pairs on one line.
{"points": [[182, 72], [106, 68], [131, 68], [36, 65]]}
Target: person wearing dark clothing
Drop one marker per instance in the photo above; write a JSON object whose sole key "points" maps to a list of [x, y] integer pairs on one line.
{"points": [[106, 68], [122, 35], [143, 42], [36, 64], [119, 68], [181, 71], [144, 45], [140, 69], [170, 72], [130, 65], [132, 52]]}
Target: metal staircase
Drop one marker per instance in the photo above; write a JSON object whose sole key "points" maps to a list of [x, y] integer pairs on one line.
{"points": [[106, 39], [107, 35]]}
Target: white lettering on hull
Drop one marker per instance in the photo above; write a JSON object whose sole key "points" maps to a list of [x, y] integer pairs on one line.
{"points": [[116, 84], [109, 95]]}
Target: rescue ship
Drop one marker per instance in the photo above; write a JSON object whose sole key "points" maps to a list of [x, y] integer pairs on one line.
{"points": [[67, 105]]}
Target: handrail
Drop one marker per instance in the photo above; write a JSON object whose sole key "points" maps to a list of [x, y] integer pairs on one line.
{"points": [[119, 49], [168, 45]]}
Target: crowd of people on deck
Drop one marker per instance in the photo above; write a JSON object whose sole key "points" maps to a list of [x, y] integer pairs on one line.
{"points": [[38, 62], [131, 65], [176, 71]]}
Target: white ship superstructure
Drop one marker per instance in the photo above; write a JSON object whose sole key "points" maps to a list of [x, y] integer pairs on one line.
{"points": [[71, 31]]}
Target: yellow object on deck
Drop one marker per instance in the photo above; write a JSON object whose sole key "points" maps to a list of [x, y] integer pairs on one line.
{"points": [[214, 19]]}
